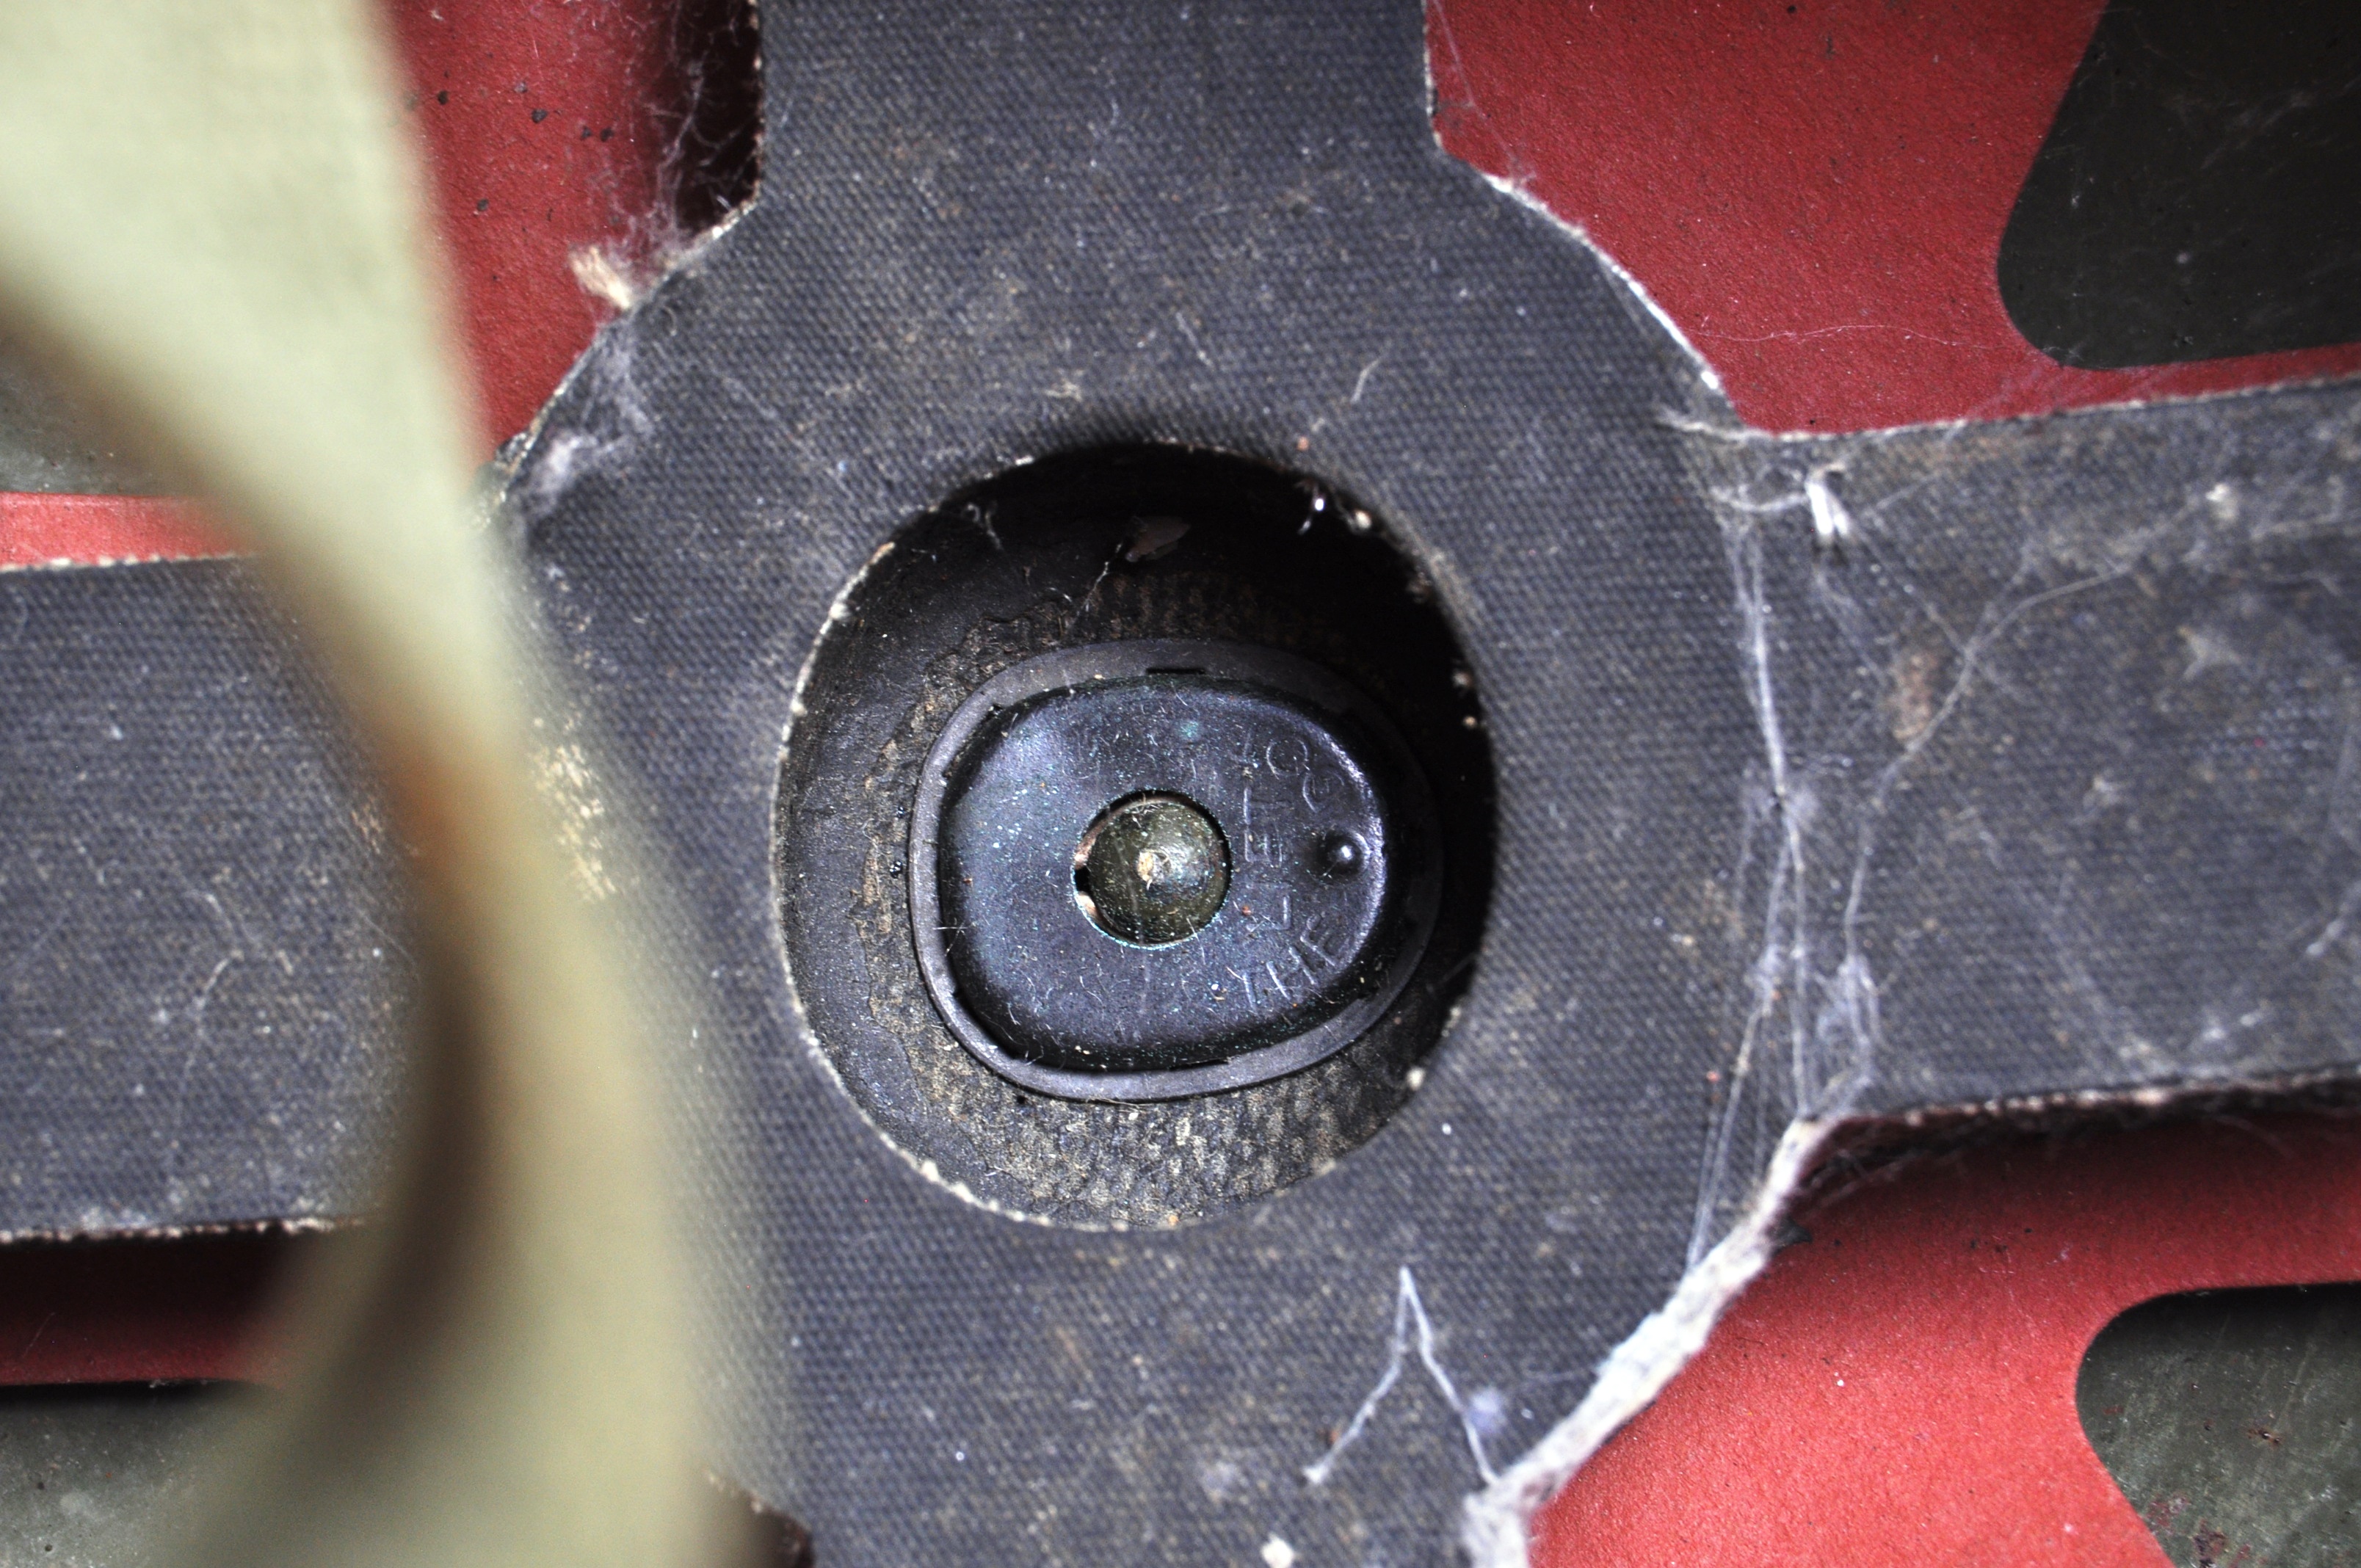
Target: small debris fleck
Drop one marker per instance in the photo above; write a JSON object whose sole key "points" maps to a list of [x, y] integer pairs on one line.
{"points": [[2222, 501], [1277, 1554], [539, 115], [1832, 526], [1153, 538]]}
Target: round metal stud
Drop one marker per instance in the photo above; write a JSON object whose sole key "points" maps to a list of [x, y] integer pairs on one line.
{"points": [[1152, 870]]}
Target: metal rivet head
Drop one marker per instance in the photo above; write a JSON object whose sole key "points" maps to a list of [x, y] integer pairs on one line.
{"points": [[1152, 870], [1340, 855]]}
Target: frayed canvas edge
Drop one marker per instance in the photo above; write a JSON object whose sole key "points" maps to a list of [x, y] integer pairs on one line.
{"points": [[1695, 361], [98, 1231], [1515, 190], [1496, 1523]]}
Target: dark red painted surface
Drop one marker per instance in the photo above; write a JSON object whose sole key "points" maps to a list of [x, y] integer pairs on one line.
{"points": [[1899, 1390], [1814, 193], [555, 129], [534, 119], [39, 530], [161, 1310]]}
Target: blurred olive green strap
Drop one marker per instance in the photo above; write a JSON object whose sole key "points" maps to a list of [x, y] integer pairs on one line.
{"points": [[209, 219]]}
